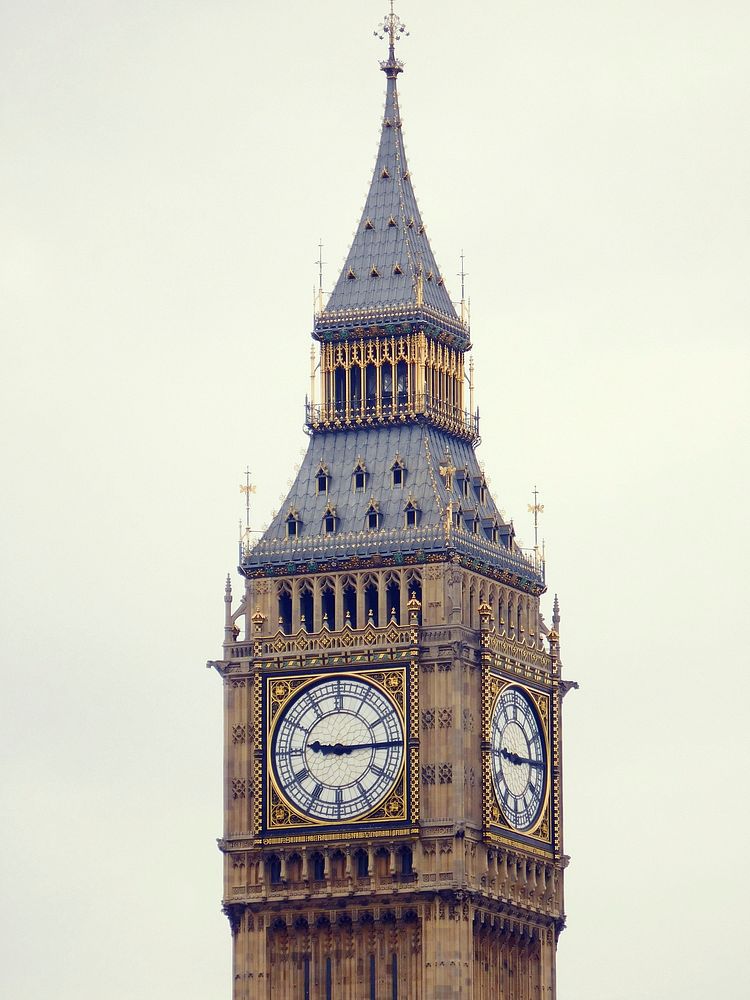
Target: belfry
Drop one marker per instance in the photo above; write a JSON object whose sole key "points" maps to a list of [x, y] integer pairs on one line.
{"points": [[392, 694]]}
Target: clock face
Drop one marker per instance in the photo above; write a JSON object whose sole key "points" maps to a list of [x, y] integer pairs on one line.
{"points": [[519, 759], [337, 749]]}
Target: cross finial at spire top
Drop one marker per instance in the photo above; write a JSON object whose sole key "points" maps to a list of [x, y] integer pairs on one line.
{"points": [[393, 28]]}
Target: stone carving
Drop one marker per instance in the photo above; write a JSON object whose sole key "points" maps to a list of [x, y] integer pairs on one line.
{"points": [[468, 721], [428, 718], [445, 717], [445, 773], [428, 774], [239, 788], [238, 734]]}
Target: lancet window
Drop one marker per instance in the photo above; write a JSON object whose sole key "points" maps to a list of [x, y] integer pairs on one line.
{"points": [[411, 513], [373, 516], [330, 519], [398, 472], [359, 476], [285, 607], [293, 524], [322, 479]]}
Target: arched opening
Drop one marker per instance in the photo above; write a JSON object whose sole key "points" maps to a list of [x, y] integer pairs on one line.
{"points": [[405, 861], [371, 602], [371, 386], [393, 600], [350, 603], [273, 869], [338, 864], [401, 384], [285, 608], [355, 387], [306, 607], [294, 868], [317, 867], [361, 864], [328, 606], [382, 862], [339, 389], [386, 384]]}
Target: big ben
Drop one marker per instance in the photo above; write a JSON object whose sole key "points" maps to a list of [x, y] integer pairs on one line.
{"points": [[392, 694]]}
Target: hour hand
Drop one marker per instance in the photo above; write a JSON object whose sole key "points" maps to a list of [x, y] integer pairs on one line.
{"points": [[515, 758]]}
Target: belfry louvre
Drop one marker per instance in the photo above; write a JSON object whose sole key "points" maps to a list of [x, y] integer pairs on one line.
{"points": [[392, 694]]}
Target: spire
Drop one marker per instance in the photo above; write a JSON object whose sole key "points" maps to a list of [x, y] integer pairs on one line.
{"points": [[390, 262]]}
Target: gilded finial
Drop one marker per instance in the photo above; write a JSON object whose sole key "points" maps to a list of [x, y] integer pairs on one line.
{"points": [[536, 509], [394, 29]]}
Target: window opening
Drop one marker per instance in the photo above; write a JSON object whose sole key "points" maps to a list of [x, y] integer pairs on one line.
{"points": [[371, 602], [306, 610], [328, 608], [350, 605], [393, 601], [285, 611]]}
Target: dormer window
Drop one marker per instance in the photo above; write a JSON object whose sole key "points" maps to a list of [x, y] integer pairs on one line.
{"points": [[293, 524], [411, 513], [373, 515], [322, 479], [359, 476], [369, 224], [458, 516], [481, 489], [330, 520], [465, 483], [398, 470]]}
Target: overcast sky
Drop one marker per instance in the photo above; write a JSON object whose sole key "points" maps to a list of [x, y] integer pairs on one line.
{"points": [[167, 170]]}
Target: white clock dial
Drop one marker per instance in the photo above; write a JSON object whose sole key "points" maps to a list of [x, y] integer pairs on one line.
{"points": [[519, 758], [338, 748]]}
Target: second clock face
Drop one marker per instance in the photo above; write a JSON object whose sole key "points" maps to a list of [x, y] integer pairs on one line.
{"points": [[519, 760], [338, 749]]}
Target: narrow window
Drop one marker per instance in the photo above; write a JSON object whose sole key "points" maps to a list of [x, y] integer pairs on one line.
{"points": [[321, 481], [328, 978], [359, 480], [329, 524], [394, 976], [411, 517], [274, 870], [372, 519], [285, 611], [293, 524], [398, 476], [372, 978]]}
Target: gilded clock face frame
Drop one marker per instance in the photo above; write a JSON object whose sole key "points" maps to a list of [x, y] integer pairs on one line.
{"points": [[336, 749], [519, 758]]}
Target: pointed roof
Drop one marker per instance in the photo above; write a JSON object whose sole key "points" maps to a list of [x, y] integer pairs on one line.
{"points": [[390, 262]]}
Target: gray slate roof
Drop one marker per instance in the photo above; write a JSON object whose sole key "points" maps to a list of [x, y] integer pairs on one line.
{"points": [[422, 449], [390, 234]]}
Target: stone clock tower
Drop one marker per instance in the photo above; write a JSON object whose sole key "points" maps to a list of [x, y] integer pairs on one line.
{"points": [[393, 815]]}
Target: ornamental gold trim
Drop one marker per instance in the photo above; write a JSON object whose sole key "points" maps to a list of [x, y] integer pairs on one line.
{"points": [[280, 814], [493, 812]]}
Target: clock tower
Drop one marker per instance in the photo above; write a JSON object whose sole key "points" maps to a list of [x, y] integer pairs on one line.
{"points": [[392, 695]]}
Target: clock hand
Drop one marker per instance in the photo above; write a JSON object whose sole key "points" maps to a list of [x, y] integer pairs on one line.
{"points": [[514, 758], [339, 748]]}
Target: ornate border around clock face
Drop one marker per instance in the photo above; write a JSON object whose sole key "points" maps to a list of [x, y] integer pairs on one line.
{"points": [[392, 683], [495, 820]]}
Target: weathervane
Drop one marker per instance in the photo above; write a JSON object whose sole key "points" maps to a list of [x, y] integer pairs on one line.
{"points": [[536, 509], [393, 27], [462, 275], [247, 489]]}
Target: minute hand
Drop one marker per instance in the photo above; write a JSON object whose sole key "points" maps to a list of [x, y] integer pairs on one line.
{"points": [[339, 748], [514, 758]]}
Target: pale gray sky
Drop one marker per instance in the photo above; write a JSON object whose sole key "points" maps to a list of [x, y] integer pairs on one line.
{"points": [[167, 170]]}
